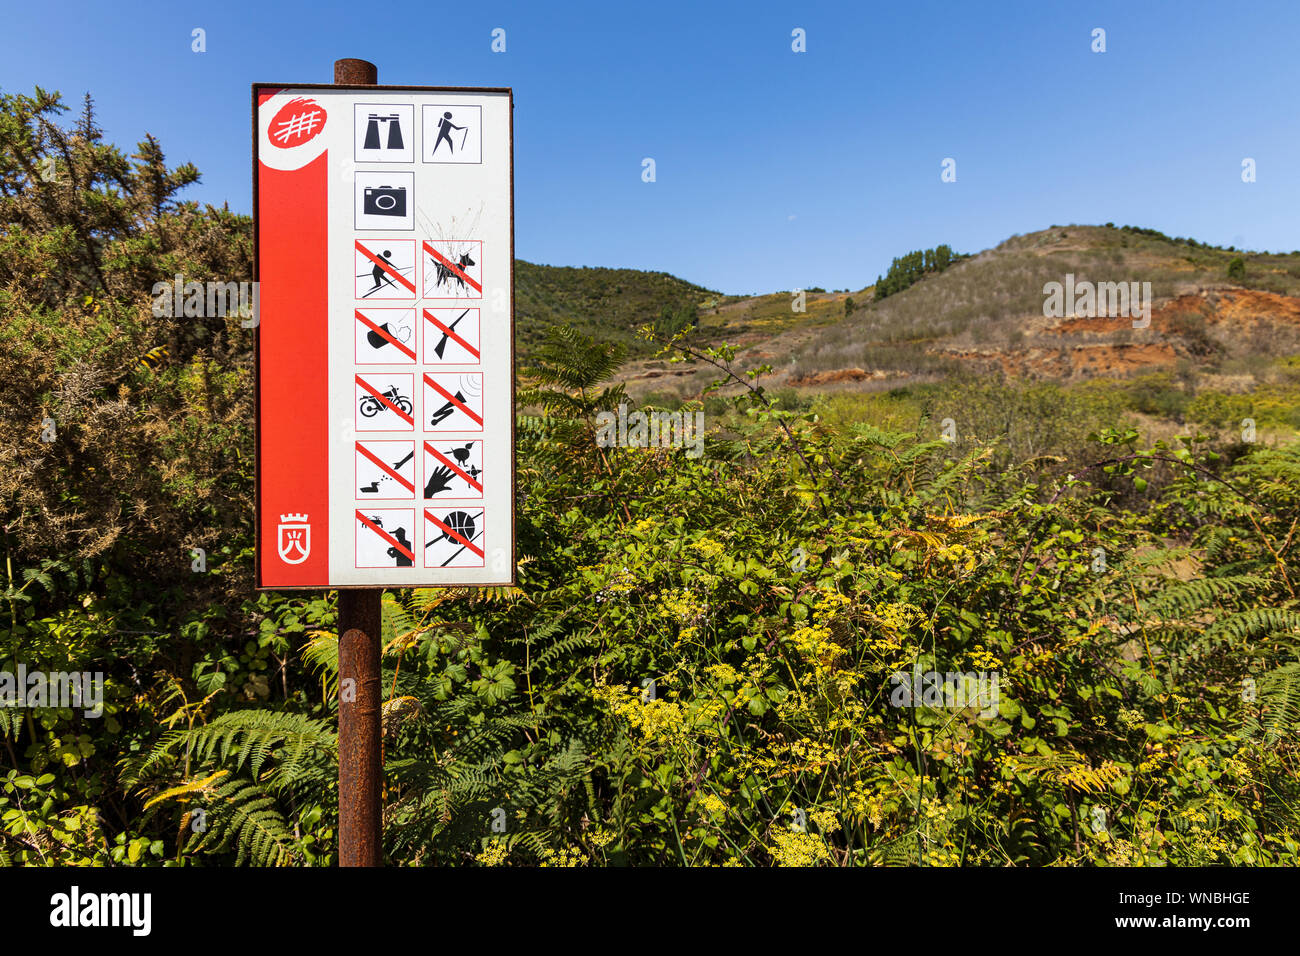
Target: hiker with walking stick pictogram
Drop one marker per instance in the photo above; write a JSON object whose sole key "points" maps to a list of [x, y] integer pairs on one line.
{"points": [[452, 133], [445, 126]]}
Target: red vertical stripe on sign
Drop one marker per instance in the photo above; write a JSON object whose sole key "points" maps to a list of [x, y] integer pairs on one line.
{"points": [[293, 360]]}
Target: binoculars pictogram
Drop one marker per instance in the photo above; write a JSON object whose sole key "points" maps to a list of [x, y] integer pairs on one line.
{"points": [[372, 131]]}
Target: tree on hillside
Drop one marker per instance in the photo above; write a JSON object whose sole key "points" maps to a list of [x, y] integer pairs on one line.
{"points": [[908, 269]]}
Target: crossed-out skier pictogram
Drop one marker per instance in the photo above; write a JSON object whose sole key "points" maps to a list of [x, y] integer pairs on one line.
{"points": [[385, 268]]}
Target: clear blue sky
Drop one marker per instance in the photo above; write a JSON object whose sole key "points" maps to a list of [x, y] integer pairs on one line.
{"points": [[775, 169]]}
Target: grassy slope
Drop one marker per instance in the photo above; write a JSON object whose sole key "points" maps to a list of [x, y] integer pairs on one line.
{"points": [[607, 303]]}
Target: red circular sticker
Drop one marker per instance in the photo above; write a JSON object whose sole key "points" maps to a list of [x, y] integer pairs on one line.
{"points": [[298, 121]]}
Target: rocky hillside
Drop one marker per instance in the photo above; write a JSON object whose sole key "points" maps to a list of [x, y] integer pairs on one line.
{"points": [[1216, 311]]}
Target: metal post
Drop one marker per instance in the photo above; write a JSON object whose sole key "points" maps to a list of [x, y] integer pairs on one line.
{"points": [[361, 767]]}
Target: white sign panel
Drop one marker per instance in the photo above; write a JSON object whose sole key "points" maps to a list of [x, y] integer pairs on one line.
{"points": [[386, 340]]}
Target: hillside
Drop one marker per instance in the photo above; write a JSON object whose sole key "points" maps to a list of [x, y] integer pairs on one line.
{"points": [[985, 315], [607, 303], [987, 312]]}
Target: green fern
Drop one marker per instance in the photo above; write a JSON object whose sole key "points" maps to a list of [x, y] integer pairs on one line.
{"points": [[10, 723], [242, 816], [300, 745], [1256, 622], [1184, 598], [1276, 714]]}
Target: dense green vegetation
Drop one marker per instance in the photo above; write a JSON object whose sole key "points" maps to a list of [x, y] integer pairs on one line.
{"points": [[610, 303], [697, 666]]}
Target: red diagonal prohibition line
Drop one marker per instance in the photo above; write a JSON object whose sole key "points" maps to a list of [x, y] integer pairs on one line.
{"points": [[384, 465], [469, 544], [386, 536], [450, 265], [469, 348], [405, 417], [452, 398], [387, 267], [451, 464], [384, 332]]}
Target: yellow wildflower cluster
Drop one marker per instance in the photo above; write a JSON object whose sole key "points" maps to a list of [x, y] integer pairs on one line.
{"points": [[1153, 762], [622, 582], [712, 805], [829, 603], [658, 719], [863, 804], [494, 854], [814, 644], [1131, 852], [983, 659], [655, 718], [707, 548], [1237, 769], [895, 620], [827, 821], [565, 856], [803, 755], [723, 673], [944, 854], [644, 525], [682, 609], [1122, 853], [959, 556], [796, 848], [898, 617], [1131, 719], [1198, 763], [1206, 840]]}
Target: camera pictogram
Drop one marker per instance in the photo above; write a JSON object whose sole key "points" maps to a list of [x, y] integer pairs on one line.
{"points": [[384, 201]]}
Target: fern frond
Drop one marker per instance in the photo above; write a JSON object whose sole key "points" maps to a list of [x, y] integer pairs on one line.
{"points": [[251, 737], [1069, 770], [1183, 598], [244, 817], [1256, 622], [1277, 713], [204, 785], [10, 723]]}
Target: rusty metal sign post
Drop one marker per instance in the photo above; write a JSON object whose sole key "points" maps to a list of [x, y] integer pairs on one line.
{"points": [[361, 769]]}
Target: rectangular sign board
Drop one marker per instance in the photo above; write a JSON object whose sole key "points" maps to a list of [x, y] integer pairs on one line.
{"points": [[384, 223]]}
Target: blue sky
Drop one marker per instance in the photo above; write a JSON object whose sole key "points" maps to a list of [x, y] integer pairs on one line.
{"points": [[774, 169]]}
